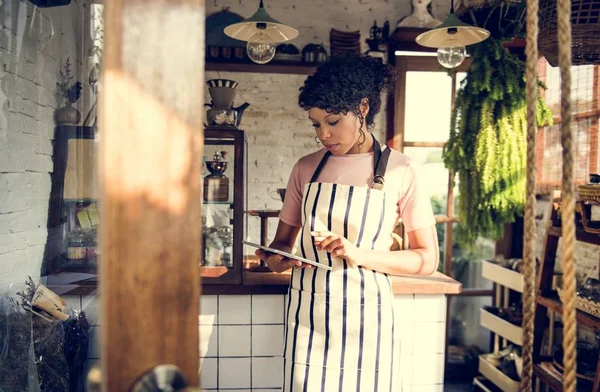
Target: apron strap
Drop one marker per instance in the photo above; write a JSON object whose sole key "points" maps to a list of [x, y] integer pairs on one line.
{"points": [[380, 164], [320, 167], [380, 161]]}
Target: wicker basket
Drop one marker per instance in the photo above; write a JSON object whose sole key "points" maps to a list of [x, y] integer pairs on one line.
{"points": [[589, 192], [585, 30], [583, 304]]}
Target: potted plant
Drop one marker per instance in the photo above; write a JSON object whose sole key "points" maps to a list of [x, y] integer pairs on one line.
{"points": [[70, 92], [487, 145]]}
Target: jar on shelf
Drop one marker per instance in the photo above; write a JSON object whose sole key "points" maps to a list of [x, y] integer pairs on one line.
{"points": [[77, 244]]}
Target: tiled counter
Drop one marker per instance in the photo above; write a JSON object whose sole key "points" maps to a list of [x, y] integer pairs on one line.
{"points": [[242, 341], [241, 336]]}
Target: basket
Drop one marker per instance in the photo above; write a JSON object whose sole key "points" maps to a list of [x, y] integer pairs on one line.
{"points": [[583, 304], [585, 31], [589, 192]]}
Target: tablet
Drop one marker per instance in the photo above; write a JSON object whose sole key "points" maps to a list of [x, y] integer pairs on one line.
{"points": [[288, 255]]}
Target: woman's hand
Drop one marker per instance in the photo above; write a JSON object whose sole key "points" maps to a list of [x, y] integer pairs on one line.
{"points": [[279, 263], [337, 245]]}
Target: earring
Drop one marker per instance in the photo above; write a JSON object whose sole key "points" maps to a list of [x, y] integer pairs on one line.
{"points": [[361, 132], [317, 140]]}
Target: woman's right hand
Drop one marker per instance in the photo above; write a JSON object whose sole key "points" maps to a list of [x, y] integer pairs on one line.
{"points": [[279, 263]]}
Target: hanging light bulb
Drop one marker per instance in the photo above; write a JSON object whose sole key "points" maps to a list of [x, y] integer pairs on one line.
{"points": [[451, 53], [451, 37], [261, 32], [260, 48]]}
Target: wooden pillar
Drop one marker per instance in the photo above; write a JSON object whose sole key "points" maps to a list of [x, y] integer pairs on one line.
{"points": [[150, 134]]}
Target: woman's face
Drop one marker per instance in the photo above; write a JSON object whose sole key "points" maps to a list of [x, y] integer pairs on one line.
{"points": [[339, 133]]}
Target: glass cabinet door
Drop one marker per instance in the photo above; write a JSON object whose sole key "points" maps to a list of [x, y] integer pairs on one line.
{"points": [[223, 190]]}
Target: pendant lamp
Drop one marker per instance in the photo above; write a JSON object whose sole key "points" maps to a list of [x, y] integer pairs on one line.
{"points": [[261, 32], [451, 37]]}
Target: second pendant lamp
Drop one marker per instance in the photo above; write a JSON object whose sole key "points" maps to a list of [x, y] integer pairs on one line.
{"points": [[450, 39], [261, 32]]}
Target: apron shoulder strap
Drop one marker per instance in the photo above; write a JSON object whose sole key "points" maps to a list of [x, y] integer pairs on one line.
{"points": [[380, 160], [380, 165], [320, 167]]}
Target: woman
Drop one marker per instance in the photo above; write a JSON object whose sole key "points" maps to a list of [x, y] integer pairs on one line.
{"points": [[345, 200]]}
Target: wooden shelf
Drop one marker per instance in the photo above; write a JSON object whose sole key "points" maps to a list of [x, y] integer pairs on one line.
{"points": [[496, 376], [548, 298], [501, 275], [213, 272], [275, 67], [580, 235], [548, 375], [499, 326], [545, 372], [485, 385], [552, 301]]}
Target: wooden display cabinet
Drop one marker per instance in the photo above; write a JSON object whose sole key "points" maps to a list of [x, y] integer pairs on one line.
{"points": [[223, 206], [72, 211]]}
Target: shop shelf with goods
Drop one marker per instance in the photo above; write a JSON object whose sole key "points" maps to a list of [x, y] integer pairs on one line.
{"points": [[547, 362], [223, 205], [71, 248], [71, 256], [504, 321]]}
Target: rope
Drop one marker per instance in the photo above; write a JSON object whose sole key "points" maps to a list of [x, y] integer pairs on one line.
{"points": [[567, 195], [529, 243]]}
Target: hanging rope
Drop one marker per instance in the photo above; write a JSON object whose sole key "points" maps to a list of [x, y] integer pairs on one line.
{"points": [[529, 243], [567, 195]]}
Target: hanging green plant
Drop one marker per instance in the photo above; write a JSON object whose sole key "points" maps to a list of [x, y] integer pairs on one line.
{"points": [[487, 146]]}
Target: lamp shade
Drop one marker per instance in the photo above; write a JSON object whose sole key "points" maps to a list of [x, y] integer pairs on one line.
{"points": [[465, 33], [277, 31]]}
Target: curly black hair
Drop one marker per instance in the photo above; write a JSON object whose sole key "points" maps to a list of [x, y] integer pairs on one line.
{"points": [[339, 85]]}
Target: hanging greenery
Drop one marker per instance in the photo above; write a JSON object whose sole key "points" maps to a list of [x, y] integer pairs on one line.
{"points": [[487, 146]]}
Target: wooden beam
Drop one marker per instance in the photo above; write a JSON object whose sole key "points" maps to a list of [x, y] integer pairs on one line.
{"points": [[397, 140], [150, 160], [424, 144], [593, 130]]}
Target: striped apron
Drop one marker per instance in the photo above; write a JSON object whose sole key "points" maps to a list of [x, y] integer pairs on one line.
{"points": [[340, 323]]}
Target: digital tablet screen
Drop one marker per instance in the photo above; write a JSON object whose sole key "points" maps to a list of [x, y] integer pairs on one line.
{"points": [[288, 255]]}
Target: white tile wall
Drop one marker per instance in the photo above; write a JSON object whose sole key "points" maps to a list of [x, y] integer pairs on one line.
{"points": [[243, 334], [427, 369], [267, 340], [234, 340], [406, 334], [429, 337], [406, 372], [267, 372], [234, 309], [209, 340], [209, 373], [429, 308], [208, 310], [427, 388], [234, 373], [267, 309]]}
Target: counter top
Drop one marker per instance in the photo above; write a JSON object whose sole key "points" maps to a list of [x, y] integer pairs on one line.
{"points": [[437, 283], [263, 283]]}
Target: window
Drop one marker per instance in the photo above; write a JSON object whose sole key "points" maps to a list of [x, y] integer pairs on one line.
{"points": [[585, 90], [424, 97]]}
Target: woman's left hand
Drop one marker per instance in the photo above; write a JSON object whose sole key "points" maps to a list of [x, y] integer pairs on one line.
{"points": [[337, 245]]}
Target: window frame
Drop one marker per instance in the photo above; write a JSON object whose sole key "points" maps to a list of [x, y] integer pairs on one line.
{"points": [[544, 187]]}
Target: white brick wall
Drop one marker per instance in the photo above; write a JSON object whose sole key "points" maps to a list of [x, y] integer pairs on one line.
{"points": [[28, 76], [279, 132]]}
